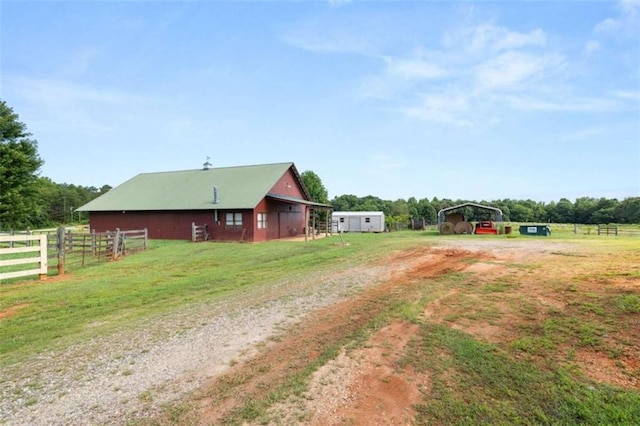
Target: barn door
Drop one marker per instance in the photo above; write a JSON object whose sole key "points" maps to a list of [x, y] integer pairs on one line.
{"points": [[287, 224]]}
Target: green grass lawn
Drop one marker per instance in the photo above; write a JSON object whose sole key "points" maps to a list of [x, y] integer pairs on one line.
{"points": [[474, 382], [169, 275], [172, 274]]}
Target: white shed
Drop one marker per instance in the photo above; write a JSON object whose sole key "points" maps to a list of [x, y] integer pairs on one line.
{"points": [[357, 221]]}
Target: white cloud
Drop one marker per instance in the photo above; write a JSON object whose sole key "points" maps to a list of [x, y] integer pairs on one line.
{"points": [[583, 134], [61, 92], [413, 68], [563, 104], [630, 7], [337, 3], [609, 25], [633, 95], [336, 43], [463, 83], [626, 23], [90, 110], [443, 108], [492, 38], [476, 74], [319, 36], [401, 75], [591, 47], [512, 69]]}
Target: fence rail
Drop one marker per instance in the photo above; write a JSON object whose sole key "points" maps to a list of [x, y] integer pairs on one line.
{"points": [[66, 248], [616, 230], [77, 249], [607, 230], [18, 251]]}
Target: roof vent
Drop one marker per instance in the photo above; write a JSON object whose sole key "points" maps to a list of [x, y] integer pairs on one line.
{"points": [[215, 195], [206, 165]]}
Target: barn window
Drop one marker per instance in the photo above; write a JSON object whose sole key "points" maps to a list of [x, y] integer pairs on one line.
{"points": [[367, 220], [262, 220], [342, 220], [234, 221]]}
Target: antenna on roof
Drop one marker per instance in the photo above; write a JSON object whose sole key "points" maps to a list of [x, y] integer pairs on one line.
{"points": [[207, 164]]}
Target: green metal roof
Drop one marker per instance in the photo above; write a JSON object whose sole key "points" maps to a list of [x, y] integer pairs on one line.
{"points": [[240, 187]]}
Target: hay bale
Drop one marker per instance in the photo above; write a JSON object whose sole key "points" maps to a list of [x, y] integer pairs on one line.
{"points": [[455, 218], [447, 228], [463, 228]]}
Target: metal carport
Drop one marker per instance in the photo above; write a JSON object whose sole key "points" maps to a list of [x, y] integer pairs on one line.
{"points": [[442, 213]]}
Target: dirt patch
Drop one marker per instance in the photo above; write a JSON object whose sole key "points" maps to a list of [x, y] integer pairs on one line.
{"points": [[438, 309], [380, 392], [622, 372], [362, 386], [12, 310]]}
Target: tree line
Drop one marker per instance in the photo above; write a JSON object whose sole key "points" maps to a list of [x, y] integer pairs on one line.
{"points": [[28, 200], [51, 204], [584, 210]]}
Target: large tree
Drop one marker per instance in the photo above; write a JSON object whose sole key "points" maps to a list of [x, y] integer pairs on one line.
{"points": [[317, 190], [19, 165]]}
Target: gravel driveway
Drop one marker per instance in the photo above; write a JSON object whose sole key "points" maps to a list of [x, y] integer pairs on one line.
{"points": [[129, 375]]}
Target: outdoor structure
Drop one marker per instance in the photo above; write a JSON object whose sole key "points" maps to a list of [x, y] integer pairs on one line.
{"points": [[452, 221], [245, 203], [357, 222]]}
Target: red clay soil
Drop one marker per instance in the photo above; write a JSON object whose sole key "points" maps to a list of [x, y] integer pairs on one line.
{"points": [[12, 310], [332, 325], [368, 385], [376, 389]]}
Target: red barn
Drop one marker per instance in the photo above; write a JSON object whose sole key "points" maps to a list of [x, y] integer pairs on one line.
{"points": [[245, 203]]}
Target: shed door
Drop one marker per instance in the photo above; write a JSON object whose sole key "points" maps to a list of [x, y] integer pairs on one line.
{"points": [[354, 224]]}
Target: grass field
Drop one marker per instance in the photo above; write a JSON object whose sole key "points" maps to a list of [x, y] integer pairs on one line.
{"points": [[170, 275], [520, 330]]}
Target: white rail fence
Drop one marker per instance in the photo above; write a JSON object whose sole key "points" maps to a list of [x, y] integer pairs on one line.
{"points": [[18, 251]]}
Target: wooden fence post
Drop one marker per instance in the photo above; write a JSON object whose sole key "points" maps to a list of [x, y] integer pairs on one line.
{"points": [[116, 244], [44, 267], [146, 234], [60, 237], [306, 223], [326, 224], [193, 232], [313, 224]]}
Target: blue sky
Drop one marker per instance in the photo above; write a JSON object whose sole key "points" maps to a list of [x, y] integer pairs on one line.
{"points": [[460, 100]]}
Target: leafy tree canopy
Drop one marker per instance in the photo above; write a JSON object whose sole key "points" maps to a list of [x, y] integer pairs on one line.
{"points": [[315, 187], [584, 210], [19, 165]]}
